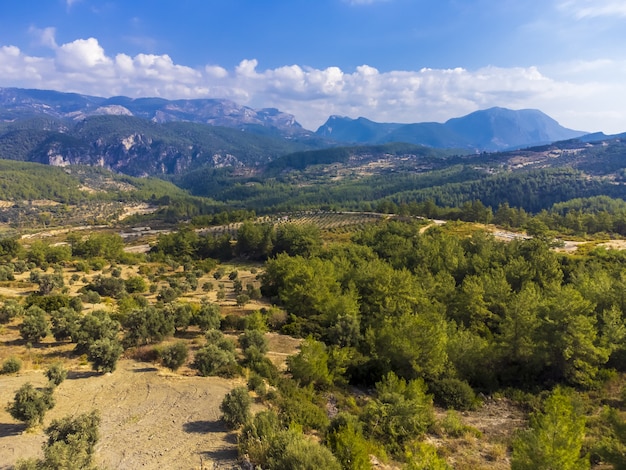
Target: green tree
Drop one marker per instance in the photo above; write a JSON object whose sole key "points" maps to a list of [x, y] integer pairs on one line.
{"points": [[93, 327], [401, 411], [34, 326], [208, 317], [213, 360], [9, 310], [310, 365], [104, 354], [30, 404], [291, 449], [235, 407], [174, 355], [147, 325], [554, 439], [56, 373], [345, 439]]}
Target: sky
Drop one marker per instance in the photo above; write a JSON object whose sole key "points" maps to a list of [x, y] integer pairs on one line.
{"points": [[386, 60]]}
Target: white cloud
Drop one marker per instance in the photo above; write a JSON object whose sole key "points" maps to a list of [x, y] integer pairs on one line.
{"points": [[594, 8], [45, 37], [583, 95], [82, 54]]}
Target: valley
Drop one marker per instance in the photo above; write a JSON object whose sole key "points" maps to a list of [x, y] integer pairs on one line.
{"points": [[228, 289]]}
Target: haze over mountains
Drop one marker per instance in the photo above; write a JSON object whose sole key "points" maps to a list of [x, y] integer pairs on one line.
{"points": [[491, 129], [147, 136]]}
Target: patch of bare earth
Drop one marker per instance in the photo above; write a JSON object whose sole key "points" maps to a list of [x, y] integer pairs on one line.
{"points": [[497, 420], [151, 418]]}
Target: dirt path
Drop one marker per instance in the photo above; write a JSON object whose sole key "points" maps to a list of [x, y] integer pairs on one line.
{"points": [[151, 419]]}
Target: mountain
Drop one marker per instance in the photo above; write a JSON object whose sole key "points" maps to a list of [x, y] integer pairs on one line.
{"points": [[490, 129], [17, 103], [138, 147]]}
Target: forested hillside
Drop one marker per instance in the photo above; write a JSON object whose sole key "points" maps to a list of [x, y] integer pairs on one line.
{"points": [[409, 332]]}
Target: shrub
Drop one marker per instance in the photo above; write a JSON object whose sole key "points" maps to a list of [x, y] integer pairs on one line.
{"points": [[10, 310], [236, 407], [257, 384], [290, 449], [242, 299], [454, 393], [64, 323], [453, 426], [211, 360], [104, 354], [11, 365], [147, 325], [257, 435], [34, 326], [174, 355], [30, 405], [345, 439], [56, 373], [217, 338], [208, 317], [71, 442], [253, 338]]}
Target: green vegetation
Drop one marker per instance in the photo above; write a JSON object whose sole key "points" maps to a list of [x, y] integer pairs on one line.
{"points": [[70, 445], [30, 404]]}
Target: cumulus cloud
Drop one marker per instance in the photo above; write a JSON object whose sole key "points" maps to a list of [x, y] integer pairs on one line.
{"points": [[584, 95]]}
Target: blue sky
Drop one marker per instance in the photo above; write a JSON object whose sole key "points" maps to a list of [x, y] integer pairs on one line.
{"points": [[387, 60]]}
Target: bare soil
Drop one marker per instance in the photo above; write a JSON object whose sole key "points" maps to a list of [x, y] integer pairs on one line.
{"points": [[151, 418]]}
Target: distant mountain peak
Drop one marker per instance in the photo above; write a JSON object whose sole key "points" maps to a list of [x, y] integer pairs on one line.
{"points": [[490, 129]]}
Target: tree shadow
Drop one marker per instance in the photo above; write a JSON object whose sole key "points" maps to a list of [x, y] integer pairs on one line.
{"points": [[222, 458], [82, 374], [205, 427], [11, 429], [146, 369]]}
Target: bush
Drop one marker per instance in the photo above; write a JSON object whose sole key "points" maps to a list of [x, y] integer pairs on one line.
{"points": [[236, 407], [208, 317], [30, 405], [254, 338], [453, 393], [257, 435], [211, 360], [257, 384], [345, 439], [71, 442], [104, 354], [234, 323], [290, 449], [64, 323], [10, 310], [242, 299], [11, 365], [34, 327], [174, 355], [147, 325], [56, 373]]}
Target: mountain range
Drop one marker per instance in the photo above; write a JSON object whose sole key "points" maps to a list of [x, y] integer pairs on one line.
{"points": [[155, 136], [490, 129]]}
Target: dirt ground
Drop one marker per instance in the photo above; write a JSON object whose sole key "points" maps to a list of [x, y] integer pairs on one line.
{"points": [[151, 418]]}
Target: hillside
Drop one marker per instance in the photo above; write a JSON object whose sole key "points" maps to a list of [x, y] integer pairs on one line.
{"points": [[138, 147], [364, 177]]}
